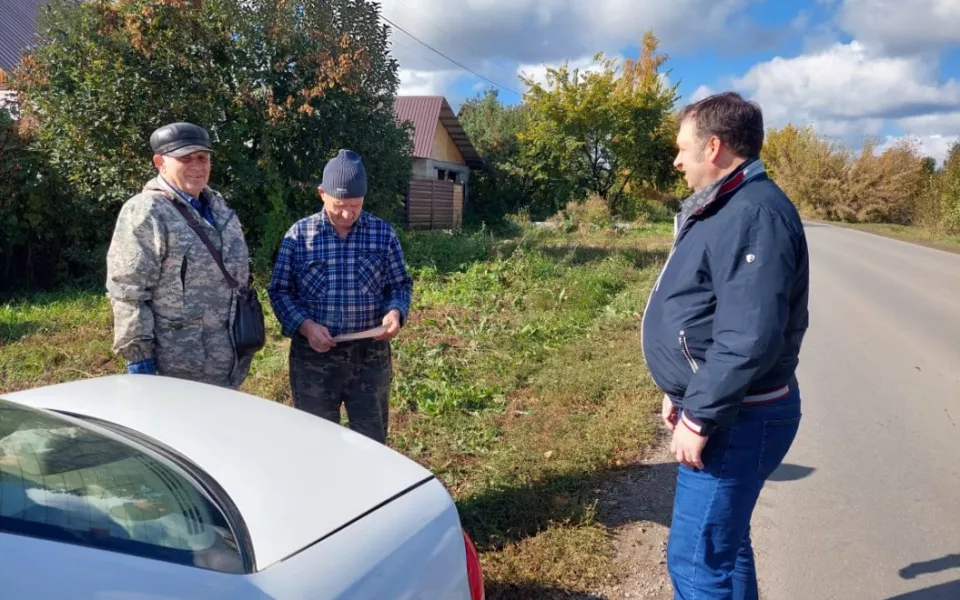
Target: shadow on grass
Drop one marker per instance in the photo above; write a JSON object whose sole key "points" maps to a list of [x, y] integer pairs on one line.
{"points": [[533, 591], [612, 497], [581, 254], [448, 252], [14, 332]]}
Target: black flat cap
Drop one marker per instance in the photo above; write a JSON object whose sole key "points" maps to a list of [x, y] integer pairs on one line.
{"points": [[180, 139]]}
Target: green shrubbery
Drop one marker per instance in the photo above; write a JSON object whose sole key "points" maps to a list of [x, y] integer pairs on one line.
{"points": [[281, 86]]}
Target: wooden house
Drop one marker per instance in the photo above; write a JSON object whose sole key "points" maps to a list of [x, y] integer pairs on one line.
{"points": [[443, 157]]}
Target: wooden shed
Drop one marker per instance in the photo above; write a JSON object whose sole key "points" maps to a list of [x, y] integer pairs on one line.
{"points": [[443, 157]]}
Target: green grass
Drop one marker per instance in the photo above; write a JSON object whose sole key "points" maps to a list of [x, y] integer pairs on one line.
{"points": [[519, 382]]}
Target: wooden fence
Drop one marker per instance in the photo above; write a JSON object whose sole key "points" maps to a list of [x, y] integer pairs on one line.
{"points": [[434, 204]]}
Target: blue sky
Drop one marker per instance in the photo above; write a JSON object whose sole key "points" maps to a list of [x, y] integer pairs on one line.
{"points": [[850, 68]]}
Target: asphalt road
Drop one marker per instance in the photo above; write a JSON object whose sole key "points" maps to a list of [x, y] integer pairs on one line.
{"points": [[867, 505]]}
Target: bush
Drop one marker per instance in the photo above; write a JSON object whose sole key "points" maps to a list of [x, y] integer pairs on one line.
{"points": [[899, 185], [281, 86], [646, 205], [444, 252], [592, 213], [49, 237]]}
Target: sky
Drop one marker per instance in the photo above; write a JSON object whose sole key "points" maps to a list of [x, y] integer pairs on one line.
{"points": [[852, 69]]}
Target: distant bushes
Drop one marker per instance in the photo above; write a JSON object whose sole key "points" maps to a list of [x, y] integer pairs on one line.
{"points": [[899, 185]]}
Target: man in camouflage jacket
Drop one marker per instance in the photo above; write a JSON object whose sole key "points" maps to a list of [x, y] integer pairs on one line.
{"points": [[172, 308]]}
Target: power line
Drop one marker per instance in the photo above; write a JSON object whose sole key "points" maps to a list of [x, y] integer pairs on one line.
{"points": [[459, 64], [429, 17]]}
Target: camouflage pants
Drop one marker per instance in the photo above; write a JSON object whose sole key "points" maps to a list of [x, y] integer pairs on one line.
{"points": [[356, 375]]}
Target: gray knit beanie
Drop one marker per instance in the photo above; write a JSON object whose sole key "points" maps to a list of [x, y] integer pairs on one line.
{"points": [[344, 176]]}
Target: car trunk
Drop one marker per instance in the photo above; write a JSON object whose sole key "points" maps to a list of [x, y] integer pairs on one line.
{"points": [[293, 477]]}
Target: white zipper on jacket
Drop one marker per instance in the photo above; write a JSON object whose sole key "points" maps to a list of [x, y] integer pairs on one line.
{"points": [[686, 352]]}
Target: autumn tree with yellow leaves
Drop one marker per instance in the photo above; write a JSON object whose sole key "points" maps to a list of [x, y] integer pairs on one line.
{"points": [[602, 131]]}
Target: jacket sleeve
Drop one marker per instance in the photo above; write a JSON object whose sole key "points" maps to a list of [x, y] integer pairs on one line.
{"points": [[133, 273], [753, 269]]}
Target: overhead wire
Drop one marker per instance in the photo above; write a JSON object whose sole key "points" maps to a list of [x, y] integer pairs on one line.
{"points": [[454, 61]]}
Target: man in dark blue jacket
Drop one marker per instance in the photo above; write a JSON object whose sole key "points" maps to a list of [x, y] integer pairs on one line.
{"points": [[721, 337]]}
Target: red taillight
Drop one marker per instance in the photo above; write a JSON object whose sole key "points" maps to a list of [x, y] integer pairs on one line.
{"points": [[474, 573]]}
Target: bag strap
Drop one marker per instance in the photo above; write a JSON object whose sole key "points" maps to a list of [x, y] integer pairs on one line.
{"points": [[198, 229]]}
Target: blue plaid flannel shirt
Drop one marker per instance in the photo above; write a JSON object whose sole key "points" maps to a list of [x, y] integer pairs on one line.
{"points": [[345, 284]]}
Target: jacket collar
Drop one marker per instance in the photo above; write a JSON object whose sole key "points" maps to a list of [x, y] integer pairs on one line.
{"points": [[749, 170], [221, 212]]}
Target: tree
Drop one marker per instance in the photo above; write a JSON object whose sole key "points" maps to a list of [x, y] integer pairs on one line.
{"points": [[599, 130], [29, 205], [281, 86], [812, 171], [883, 188], [505, 185], [949, 191]]}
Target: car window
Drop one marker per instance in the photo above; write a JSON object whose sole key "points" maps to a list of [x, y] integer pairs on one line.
{"points": [[71, 483]]}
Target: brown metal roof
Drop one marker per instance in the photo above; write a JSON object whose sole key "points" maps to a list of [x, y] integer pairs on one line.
{"points": [[425, 112], [18, 28]]}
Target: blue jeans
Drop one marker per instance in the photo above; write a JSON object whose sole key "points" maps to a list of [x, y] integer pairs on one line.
{"points": [[709, 554]]}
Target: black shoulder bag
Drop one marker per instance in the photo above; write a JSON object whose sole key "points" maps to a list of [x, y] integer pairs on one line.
{"points": [[249, 335]]}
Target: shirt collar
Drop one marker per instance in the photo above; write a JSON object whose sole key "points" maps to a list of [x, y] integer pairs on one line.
{"points": [[182, 193], [361, 223]]}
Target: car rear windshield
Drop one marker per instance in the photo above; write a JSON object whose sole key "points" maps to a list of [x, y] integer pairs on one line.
{"points": [[68, 482]]}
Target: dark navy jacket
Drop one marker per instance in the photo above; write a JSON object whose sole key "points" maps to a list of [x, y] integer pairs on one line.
{"points": [[729, 311]]}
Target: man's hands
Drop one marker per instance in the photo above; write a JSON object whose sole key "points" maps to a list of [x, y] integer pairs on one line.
{"points": [[392, 322], [321, 340], [669, 413], [686, 445], [318, 336]]}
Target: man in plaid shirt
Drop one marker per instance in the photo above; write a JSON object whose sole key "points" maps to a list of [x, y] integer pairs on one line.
{"points": [[338, 272]]}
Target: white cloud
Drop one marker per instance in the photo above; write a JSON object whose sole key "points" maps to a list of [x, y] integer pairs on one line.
{"points": [[700, 93], [485, 34], [888, 76], [846, 87], [902, 26], [936, 146], [924, 125], [426, 83], [538, 72]]}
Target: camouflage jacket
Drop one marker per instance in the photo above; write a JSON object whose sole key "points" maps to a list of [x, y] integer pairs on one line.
{"points": [[170, 300]]}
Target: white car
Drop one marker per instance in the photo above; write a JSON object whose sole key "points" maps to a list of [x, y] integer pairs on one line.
{"points": [[139, 486]]}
